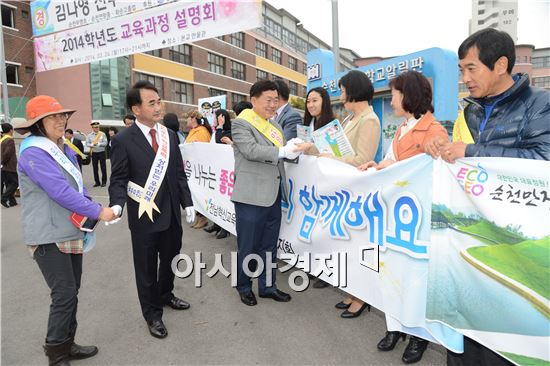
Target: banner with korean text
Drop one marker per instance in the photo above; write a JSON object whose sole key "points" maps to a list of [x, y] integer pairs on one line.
{"points": [[149, 29], [489, 275], [475, 262]]}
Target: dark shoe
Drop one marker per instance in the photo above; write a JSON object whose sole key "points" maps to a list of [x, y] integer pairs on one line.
{"points": [[348, 314], [320, 284], [212, 228], [390, 340], [81, 352], [248, 298], [277, 295], [157, 328], [5, 204], [342, 305], [415, 349], [103, 184], [14, 203], [178, 304], [58, 354], [97, 185], [222, 234]]}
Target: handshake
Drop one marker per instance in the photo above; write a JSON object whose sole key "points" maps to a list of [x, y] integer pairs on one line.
{"points": [[291, 150]]}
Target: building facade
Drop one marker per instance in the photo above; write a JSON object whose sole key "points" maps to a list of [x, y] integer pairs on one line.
{"points": [[498, 14], [19, 56], [226, 65]]}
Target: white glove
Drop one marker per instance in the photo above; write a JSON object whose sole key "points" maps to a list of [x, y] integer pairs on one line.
{"points": [[288, 152], [117, 210], [295, 140], [189, 214]]}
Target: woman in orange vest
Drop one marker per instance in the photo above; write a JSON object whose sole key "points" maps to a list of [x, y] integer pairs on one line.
{"points": [[412, 99]]}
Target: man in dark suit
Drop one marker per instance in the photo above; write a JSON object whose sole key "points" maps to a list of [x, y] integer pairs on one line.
{"points": [[69, 135], [286, 116], [148, 174]]}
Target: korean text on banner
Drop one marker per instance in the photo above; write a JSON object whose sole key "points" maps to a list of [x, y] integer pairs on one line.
{"points": [[162, 26]]}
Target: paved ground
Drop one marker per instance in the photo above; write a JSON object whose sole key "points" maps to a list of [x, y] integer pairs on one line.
{"points": [[218, 329]]}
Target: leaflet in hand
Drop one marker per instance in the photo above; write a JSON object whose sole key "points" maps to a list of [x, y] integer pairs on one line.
{"points": [[304, 133], [331, 139]]}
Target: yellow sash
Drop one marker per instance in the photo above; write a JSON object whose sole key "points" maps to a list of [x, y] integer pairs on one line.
{"points": [[74, 148], [263, 126], [5, 137], [461, 133]]}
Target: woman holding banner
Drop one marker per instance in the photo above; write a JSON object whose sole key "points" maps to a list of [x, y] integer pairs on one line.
{"points": [[52, 190], [362, 128], [199, 131], [412, 99]]}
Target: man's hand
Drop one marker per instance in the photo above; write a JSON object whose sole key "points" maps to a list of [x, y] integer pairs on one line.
{"points": [[189, 214], [117, 210], [290, 150], [107, 214], [226, 140], [433, 147], [452, 151]]}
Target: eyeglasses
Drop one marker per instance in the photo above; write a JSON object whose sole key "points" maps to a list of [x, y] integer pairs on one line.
{"points": [[59, 116]]}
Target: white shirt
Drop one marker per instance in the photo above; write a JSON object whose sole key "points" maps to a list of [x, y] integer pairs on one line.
{"points": [[145, 130], [407, 126]]}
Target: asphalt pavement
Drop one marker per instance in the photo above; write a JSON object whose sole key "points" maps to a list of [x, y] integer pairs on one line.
{"points": [[217, 329]]}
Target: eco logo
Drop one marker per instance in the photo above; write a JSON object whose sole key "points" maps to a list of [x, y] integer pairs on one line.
{"points": [[472, 179]]}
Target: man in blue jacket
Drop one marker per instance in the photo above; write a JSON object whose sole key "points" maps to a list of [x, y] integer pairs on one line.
{"points": [[506, 116]]}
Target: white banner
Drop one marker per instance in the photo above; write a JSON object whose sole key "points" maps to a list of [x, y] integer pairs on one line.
{"points": [[159, 27], [50, 16]]}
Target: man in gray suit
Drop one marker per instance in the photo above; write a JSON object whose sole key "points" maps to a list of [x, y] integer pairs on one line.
{"points": [[286, 116], [260, 183]]}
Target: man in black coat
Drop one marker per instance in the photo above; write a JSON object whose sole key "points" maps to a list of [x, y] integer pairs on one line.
{"points": [[148, 174], [69, 135]]}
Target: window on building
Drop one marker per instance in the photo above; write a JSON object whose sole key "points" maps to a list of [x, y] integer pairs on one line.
{"points": [[301, 45], [155, 53], [216, 63], [272, 27], [541, 62], [293, 88], [261, 49], [292, 63], [181, 53], [542, 82], [237, 39], [8, 16], [183, 92], [275, 55], [29, 70], [215, 92], [155, 80], [261, 75], [289, 38], [304, 69], [237, 70], [24, 14], [481, 12], [12, 73], [236, 98]]}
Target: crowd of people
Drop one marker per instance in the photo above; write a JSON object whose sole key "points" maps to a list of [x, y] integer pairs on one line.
{"points": [[505, 117]]}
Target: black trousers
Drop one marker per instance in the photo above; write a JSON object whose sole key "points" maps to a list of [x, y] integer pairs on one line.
{"points": [[257, 233], [99, 157], [476, 354], [9, 186], [62, 273], [155, 278]]}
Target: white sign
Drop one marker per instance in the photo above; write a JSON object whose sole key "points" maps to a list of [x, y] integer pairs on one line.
{"points": [[159, 27]]}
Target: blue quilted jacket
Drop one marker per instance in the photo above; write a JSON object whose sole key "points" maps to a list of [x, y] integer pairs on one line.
{"points": [[514, 124]]}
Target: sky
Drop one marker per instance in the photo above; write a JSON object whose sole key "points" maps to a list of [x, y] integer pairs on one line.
{"points": [[396, 27]]}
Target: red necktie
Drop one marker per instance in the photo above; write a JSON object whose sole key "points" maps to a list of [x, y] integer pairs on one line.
{"points": [[154, 143]]}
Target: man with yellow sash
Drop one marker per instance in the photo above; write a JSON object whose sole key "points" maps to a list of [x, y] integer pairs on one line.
{"points": [[9, 166], [147, 174], [260, 184], [97, 141], [75, 145]]}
